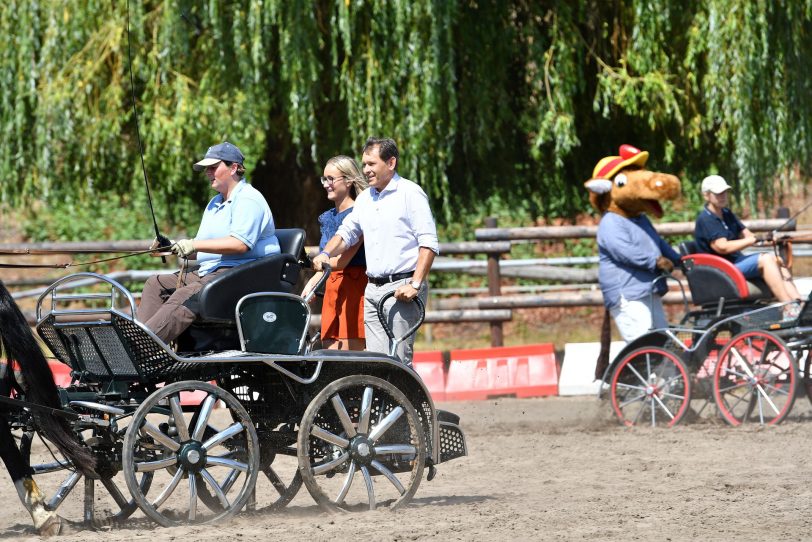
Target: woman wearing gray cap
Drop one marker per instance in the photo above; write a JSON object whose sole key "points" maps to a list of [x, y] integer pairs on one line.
{"points": [[237, 227], [719, 231]]}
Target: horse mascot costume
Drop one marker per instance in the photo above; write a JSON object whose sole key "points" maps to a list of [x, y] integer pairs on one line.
{"points": [[26, 372], [631, 253]]}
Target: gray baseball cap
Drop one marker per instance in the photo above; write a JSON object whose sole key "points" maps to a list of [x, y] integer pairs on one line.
{"points": [[224, 152]]}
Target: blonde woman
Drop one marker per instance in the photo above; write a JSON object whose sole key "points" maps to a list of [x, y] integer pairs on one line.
{"points": [[342, 313]]}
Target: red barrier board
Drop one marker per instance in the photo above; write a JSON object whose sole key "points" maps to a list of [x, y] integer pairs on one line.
{"points": [[429, 365], [61, 373], [520, 371]]}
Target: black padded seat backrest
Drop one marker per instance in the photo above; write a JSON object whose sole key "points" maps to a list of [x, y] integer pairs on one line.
{"points": [[687, 247], [291, 241], [218, 299]]}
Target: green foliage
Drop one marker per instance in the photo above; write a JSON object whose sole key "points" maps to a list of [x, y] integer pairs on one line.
{"points": [[498, 106]]}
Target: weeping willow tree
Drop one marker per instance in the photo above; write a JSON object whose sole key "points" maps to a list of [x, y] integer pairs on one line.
{"points": [[508, 102]]}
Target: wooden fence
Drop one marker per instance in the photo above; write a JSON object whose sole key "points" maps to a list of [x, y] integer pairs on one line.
{"points": [[493, 242]]}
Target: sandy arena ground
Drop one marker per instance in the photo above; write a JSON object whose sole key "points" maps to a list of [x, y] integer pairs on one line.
{"points": [[554, 469]]}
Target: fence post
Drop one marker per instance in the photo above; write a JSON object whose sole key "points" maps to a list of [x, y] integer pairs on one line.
{"points": [[494, 286]]}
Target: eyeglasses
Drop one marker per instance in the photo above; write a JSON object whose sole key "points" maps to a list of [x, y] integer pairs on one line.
{"points": [[328, 181]]}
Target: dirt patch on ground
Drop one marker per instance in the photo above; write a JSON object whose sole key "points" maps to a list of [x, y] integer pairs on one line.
{"points": [[556, 469]]}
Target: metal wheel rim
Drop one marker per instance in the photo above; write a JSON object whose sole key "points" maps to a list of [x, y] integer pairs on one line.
{"points": [[755, 379], [233, 450], [372, 452], [650, 386]]}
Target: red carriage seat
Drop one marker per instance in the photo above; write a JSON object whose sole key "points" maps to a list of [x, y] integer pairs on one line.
{"points": [[713, 279]]}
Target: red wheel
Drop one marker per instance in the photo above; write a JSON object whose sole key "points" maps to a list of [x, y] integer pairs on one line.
{"points": [[650, 385], [755, 379]]}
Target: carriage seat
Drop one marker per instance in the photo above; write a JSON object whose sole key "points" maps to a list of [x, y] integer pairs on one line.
{"points": [[215, 327], [712, 278]]}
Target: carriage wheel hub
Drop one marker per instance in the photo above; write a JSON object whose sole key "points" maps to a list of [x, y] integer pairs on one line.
{"points": [[650, 390], [192, 456], [362, 449]]}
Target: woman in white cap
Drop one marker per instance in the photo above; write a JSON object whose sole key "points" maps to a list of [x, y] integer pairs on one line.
{"points": [[719, 231]]}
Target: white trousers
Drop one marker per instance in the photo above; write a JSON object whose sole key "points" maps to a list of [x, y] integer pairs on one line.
{"points": [[636, 318]]}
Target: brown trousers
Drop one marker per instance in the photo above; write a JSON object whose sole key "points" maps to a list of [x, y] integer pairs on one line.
{"points": [[167, 309]]}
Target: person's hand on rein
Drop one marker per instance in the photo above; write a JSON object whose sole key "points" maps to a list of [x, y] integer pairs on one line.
{"points": [[183, 248], [161, 246]]}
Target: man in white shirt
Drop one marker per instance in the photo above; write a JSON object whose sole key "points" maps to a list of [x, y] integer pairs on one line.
{"points": [[394, 220]]}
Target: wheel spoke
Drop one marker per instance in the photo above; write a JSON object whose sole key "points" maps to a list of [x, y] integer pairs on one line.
{"points": [[389, 476], [638, 375], [327, 436], [343, 416], [230, 480], [370, 487], [234, 429], [395, 449], [378, 431], [203, 419], [168, 489], [662, 406], [635, 399], [767, 399], [158, 464], [215, 461], [193, 497], [206, 475], [112, 488], [159, 436], [330, 465], [674, 396], [180, 421], [366, 410], [275, 480], [631, 387], [345, 488]]}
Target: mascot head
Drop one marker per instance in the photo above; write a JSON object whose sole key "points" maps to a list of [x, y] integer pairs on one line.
{"points": [[622, 185]]}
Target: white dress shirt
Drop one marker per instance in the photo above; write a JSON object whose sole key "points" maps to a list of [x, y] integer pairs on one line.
{"points": [[394, 223]]}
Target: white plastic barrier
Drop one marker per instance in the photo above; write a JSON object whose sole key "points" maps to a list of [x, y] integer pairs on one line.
{"points": [[578, 367]]}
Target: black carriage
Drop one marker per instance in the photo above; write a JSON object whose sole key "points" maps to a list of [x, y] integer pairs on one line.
{"points": [[735, 350], [243, 398]]}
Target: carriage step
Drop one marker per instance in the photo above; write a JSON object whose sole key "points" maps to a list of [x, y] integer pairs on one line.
{"points": [[452, 442], [446, 416]]}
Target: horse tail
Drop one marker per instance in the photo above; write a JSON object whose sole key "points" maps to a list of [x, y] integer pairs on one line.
{"points": [[606, 339], [18, 344]]}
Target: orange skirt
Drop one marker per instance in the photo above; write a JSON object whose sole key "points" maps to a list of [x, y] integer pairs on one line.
{"points": [[342, 311]]}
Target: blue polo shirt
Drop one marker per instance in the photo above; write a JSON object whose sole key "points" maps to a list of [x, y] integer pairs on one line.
{"points": [[710, 227], [628, 249], [246, 216]]}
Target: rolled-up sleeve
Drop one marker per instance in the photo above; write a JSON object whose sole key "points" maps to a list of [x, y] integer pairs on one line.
{"points": [[350, 228], [422, 221]]}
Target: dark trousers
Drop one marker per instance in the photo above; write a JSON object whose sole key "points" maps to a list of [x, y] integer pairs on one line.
{"points": [[167, 309]]}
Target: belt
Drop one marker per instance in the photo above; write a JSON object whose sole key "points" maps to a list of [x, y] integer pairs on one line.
{"points": [[378, 281]]}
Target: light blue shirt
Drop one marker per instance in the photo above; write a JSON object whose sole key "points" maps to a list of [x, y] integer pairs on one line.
{"points": [[628, 249], [245, 216], [394, 223]]}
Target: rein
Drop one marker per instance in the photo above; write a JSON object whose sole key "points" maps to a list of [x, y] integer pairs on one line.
{"points": [[26, 251]]}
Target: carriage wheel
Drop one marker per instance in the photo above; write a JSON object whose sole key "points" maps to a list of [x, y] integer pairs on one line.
{"points": [[755, 379], [113, 512], [278, 460], [216, 456], [361, 445], [279, 465], [650, 386]]}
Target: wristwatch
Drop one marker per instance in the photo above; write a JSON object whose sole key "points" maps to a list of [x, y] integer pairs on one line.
{"points": [[416, 284]]}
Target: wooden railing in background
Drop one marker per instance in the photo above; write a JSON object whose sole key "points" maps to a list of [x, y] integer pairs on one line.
{"points": [[491, 241]]}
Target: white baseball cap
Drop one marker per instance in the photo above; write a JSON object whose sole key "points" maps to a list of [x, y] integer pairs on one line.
{"points": [[715, 183]]}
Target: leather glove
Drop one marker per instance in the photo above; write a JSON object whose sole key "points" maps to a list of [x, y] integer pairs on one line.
{"points": [[664, 264], [184, 248]]}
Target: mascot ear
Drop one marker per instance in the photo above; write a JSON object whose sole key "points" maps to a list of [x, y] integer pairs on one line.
{"points": [[599, 186]]}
